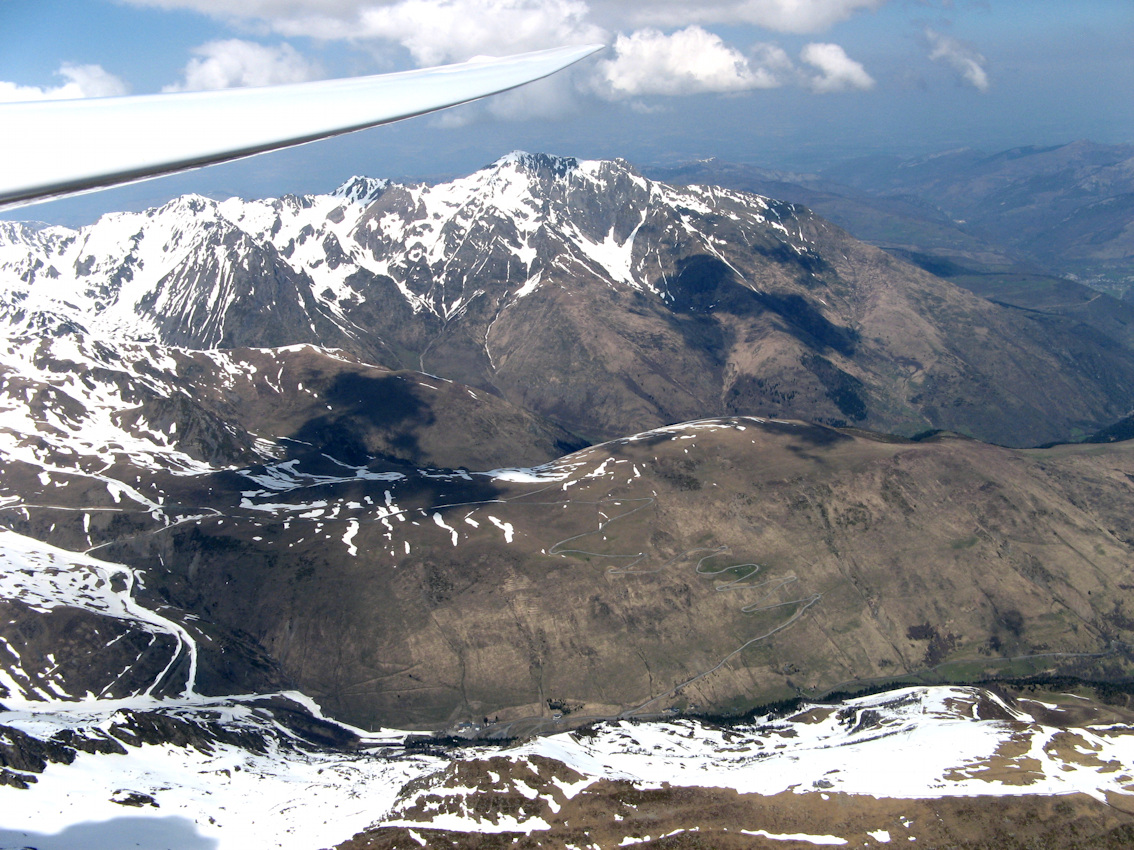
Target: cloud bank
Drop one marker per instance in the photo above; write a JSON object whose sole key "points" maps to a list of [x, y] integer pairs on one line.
{"points": [[436, 31], [658, 48]]}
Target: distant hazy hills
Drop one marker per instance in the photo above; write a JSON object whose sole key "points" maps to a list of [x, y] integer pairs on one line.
{"points": [[1066, 210]]}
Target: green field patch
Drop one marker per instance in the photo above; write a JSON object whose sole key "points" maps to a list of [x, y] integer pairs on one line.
{"points": [[977, 670], [964, 542], [849, 626]]}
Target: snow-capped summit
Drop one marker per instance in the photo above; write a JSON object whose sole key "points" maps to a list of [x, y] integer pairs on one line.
{"points": [[536, 162], [361, 190], [203, 273]]}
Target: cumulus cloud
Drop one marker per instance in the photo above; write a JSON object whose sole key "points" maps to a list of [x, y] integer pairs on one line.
{"points": [[336, 18], [452, 30], [433, 31], [796, 16], [665, 46], [963, 59], [82, 81], [689, 61], [437, 31], [837, 71], [234, 63]]}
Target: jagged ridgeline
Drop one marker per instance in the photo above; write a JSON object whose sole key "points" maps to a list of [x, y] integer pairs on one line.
{"points": [[585, 293], [339, 442]]}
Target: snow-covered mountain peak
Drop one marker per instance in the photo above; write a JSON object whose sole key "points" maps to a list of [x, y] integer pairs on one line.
{"points": [[536, 163], [201, 273], [183, 213], [361, 190]]}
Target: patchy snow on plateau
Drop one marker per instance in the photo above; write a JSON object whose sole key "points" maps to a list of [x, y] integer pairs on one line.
{"points": [[924, 744], [43, 577], [222, 796]]}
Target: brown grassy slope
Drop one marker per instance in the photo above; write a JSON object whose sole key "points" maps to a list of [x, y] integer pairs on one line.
{"points": [[633, 584]]}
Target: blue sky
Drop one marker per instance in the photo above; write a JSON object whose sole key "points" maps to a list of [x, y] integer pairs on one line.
{"points": [[778, 83]]}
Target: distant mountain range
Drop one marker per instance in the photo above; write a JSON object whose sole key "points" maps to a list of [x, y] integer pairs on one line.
{"points": [[1001, 223]]}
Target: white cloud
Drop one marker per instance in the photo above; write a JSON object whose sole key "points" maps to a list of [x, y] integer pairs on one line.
{"points": [[235, 63], [796, 16], [689, 61], [837, 71], [433, 31], [82, 81], [964, 60], [648, 58], [337, 18], [452, 30]]}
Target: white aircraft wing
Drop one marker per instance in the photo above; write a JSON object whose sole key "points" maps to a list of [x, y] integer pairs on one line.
{"points": [[63, 147]]}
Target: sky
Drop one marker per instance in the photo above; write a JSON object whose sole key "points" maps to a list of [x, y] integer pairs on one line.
{"points": [[785, 84]]}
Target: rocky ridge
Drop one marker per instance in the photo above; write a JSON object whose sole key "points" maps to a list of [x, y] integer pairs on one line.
{"points": [[585, 293]]}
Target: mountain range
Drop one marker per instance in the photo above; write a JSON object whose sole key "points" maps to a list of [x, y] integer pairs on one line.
{"points": [[1039, 227], [586, 294], [548, 445]]}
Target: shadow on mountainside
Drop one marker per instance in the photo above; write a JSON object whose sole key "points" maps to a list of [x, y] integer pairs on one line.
{"points": [[375, 417]]}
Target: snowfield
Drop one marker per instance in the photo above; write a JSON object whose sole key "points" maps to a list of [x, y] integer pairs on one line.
{"points": [[226, 797], [912, 743]]}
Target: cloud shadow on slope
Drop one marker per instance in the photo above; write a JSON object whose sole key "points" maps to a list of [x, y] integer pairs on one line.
{"points": [[706, 284], [374, 417]]}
